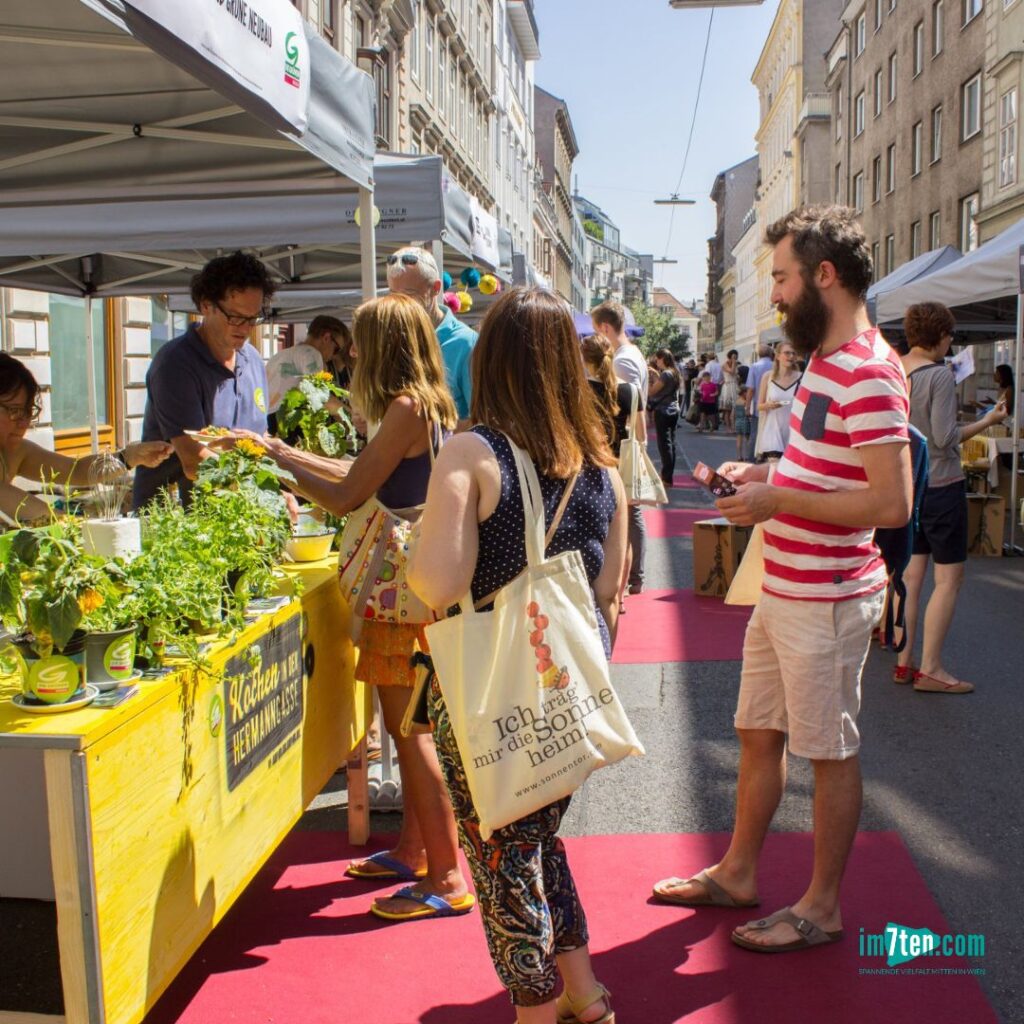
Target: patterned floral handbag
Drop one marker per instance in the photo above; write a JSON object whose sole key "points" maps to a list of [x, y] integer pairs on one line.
{"points": [[373, 560]]}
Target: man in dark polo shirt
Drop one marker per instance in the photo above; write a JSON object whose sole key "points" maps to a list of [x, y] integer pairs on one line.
{"points": [[210, 376]]}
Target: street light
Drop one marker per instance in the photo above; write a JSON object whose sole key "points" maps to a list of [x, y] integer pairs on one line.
{"points": [[665, 259], [674, 200]]}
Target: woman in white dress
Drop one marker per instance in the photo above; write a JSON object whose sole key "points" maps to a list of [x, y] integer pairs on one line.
{"points": [[730, 388], [775, 402]]}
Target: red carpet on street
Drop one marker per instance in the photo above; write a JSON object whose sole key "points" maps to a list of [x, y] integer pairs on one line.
{"points": [[677, 625], [686, 482], [300, 948], [674, 522]]}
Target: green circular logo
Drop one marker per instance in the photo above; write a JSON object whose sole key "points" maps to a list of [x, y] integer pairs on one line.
{"points": [[119, 657], [291, 48], [54, 679], [216, 716]]}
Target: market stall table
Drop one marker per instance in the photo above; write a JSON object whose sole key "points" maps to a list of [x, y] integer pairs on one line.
{"points": [[145, 822]]}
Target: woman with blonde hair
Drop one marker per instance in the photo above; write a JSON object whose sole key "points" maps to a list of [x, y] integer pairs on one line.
{"points": [[528, 389], [399, 383]]}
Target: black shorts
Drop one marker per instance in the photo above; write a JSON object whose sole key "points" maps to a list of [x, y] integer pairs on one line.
{"points": [[942, 527], [709, 408]]}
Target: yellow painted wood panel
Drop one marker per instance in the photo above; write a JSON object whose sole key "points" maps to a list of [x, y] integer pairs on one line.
{"points": [[173, 847], [64, 847]]}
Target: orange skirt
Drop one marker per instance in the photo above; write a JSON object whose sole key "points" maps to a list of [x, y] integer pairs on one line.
{"points": [[384, 652]]}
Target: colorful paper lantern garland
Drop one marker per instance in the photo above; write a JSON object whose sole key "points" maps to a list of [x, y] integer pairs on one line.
{"points": [[470, 277], [465, 301], [452, 301], [488, 284], [359, 217], [446, 281]]}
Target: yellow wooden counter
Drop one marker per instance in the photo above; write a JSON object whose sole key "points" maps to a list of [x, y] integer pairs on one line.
{"points": [[159, 812]]}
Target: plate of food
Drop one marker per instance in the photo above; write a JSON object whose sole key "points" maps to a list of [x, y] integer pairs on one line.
{"points": [[212, 437]]}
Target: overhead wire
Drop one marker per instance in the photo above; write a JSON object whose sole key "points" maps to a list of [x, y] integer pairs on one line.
{"points": [[693, 122]]}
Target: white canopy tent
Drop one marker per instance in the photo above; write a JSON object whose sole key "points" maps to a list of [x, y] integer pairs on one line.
{"points": [[112, 129], [913, 270], [985, 292]]}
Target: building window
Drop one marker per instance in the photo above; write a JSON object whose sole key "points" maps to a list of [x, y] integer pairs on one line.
{"points": [[938, 27], [916, 148], [382, 75], [878, 92], [968, 222], [892, 76], [359, 30], [428, 58], [934, 224], [876, 179], [861, 34], [875, 265], [878, 14], [937, 133], [890, 168], [69, 399], [890, 253], [1008, 138], [838, 190], [970, 105], [462, 111], [918, 48], [453, 87], [972, 8], [416, 146], [858, 191], [858, 114], [442, 61], [414, 42], [329, 20], [915, 239], [839, 112]]}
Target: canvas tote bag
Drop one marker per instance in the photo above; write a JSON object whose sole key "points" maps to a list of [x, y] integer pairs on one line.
{"points": [[373, 559], [640, 478], [527, 689]]}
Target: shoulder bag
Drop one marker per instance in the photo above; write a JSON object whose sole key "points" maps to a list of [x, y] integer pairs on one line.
{"points": [[526, 685], [640, 478]]}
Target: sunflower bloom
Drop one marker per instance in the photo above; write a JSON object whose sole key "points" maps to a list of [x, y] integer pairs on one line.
{"points": [[323, 377], [90, 601], [250, 448]]}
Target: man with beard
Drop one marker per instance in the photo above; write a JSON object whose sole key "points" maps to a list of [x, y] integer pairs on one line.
{"points": [[845, 471]]}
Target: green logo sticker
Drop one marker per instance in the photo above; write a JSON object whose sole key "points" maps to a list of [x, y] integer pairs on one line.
{"points": [[216, 716], [54, 679], [260, 399], [119, 657], [292, 74]]}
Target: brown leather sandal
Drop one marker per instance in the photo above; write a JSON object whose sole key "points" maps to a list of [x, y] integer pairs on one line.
{"points": [[809, 933]]}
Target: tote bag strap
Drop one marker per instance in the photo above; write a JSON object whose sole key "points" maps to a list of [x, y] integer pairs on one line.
{"points": [[634, 407]]}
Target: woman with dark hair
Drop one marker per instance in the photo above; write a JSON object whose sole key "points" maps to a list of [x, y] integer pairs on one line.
{"points": [[19, 408], [664, 401], [942, 525], [613, 396], [528, 386]]}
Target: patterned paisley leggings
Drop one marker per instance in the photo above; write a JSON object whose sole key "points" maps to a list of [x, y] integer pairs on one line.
{"points": [[528, 900]]}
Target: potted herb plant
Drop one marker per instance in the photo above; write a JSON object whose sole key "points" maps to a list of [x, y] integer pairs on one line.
{"points": [[315, 411]]}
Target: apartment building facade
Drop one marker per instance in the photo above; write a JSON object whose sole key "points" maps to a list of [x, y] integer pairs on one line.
{"points": [[906, 82], [557, 148], [1002, 189], [733, 195], [793, 136]]}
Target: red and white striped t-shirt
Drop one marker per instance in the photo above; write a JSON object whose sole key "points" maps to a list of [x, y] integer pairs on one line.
{"points": [[853, 397]]}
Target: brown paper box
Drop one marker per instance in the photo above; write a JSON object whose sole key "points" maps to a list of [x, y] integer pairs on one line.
{"points": [[718, 547], [985, 518]]}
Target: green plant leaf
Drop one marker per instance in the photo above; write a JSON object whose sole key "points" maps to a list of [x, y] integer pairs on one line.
{"points": [[63, 617], [25, 546]]}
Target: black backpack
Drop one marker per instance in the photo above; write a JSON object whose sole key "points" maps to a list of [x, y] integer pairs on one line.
{"points": [[896, 544]]}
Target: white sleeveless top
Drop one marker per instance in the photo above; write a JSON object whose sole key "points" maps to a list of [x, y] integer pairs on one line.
{"points": [[773, 433]]}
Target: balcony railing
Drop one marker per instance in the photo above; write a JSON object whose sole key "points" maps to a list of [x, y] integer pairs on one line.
{"points": [[816, 104]]}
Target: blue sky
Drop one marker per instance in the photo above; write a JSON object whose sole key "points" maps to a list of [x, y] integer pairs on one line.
{"points": [[628, 70]]}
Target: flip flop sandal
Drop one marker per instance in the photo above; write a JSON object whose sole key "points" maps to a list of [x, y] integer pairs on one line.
{"points": [[567, 1008], [714, 894], [810, 934], [392, 869], [430, 906]]}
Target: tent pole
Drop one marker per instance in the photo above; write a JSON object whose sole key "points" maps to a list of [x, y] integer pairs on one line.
{"points": [[1016, 411], [367, 243], [90, 377]]}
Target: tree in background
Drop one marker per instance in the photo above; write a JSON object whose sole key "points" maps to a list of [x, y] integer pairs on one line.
{"points": [[659, 331]]}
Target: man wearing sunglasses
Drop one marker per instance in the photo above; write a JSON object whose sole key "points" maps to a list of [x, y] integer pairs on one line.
{"points": [[210, 376], [412, 271]]}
